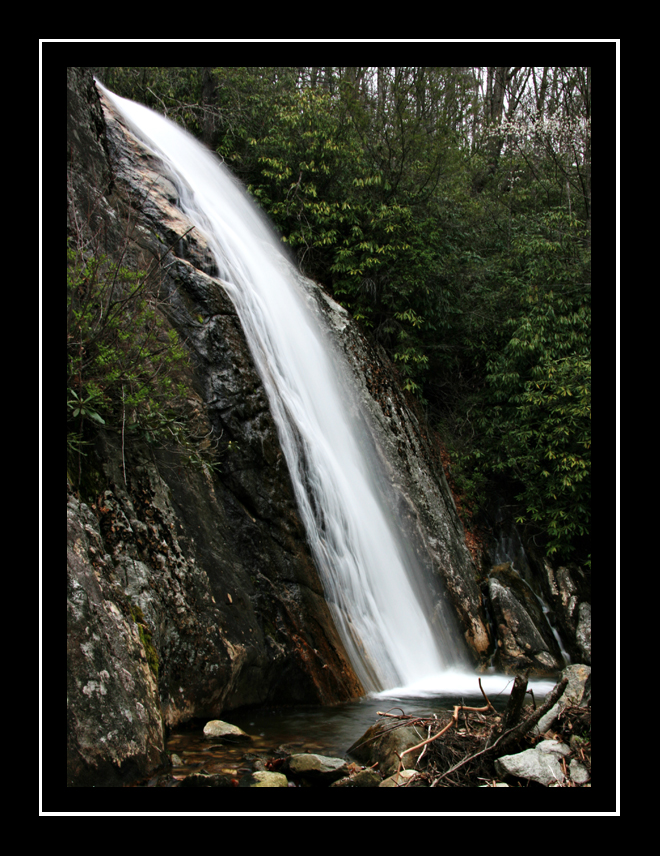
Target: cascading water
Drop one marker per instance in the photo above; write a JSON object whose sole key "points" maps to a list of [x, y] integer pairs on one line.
{"points": [[366, 568]]}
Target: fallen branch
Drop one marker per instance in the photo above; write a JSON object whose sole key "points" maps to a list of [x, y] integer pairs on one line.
{"points": [[454, 719], [516, 701], [515, 733], [407, 721], [526, 725]]}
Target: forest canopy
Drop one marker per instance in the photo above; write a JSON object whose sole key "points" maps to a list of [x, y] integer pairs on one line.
{"points": [[449, 210]]}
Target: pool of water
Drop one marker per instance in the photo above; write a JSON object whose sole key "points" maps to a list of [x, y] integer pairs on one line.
{"points": [[328, 730]]}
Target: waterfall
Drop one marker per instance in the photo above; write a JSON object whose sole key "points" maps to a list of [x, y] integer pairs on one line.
{"points": [[367, 569]]}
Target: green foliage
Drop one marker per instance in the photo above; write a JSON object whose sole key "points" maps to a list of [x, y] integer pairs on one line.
{"points": [[449, 210], [335, 204], [538, 423], [555, 425], [301, 181], [126, 369]]}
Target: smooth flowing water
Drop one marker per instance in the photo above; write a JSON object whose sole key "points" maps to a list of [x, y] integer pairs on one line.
{"points": [[367, 569]]}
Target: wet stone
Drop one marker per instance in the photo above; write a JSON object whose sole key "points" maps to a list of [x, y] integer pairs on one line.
{"points": [[224, 731], [206, 780], [317, 769], [264, 779]]}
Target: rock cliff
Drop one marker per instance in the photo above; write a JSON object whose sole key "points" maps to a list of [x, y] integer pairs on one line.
{"points": [[192, 591]]}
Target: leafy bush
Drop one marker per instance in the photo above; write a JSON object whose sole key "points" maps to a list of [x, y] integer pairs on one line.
{"points": [[126, 369], [537, 426]]}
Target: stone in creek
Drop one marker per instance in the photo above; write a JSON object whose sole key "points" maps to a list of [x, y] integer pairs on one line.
{"points": [[226, 732], [317, 769], [264, 779]]}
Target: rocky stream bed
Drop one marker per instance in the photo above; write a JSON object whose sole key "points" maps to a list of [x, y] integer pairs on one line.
{"points": [[527, 744]]}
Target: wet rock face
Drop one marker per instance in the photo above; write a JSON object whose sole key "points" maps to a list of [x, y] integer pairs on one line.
{"points": [[520, 580], [569, 591], [525, 639]]}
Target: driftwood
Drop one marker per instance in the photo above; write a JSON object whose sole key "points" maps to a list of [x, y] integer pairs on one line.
{"points": [[454, 719], [495, 737], [516, 701], [513, 735]]}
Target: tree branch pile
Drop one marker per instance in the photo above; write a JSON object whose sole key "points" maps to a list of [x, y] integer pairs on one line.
{"points": [[461, 748]]}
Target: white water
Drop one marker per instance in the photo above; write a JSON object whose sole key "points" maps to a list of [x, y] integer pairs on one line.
{"points": [[366, 569]]}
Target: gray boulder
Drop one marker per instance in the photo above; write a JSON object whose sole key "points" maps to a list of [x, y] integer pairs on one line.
{"points": [[264, 779], [540, 764], [577, 679], [316, 769], [383, 744], [226, 732]]}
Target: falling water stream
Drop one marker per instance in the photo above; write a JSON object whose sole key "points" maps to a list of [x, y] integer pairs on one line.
{"points": [[368, 571]]}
